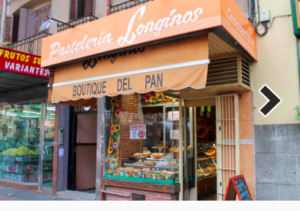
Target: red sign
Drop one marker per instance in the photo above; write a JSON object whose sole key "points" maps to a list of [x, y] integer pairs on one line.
{"points": [[238, 186], [23, 63]]}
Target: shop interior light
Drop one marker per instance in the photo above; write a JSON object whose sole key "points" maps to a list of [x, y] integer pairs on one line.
{"points": [[51, 108]]}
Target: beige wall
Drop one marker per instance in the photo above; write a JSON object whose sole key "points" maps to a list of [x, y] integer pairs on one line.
{"points": [[28, 4], [15, 5], [60, 10], [277, 66], [100, 8]]}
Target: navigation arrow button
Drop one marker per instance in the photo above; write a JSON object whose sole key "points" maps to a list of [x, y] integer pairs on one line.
{"points": [[273, 100]]}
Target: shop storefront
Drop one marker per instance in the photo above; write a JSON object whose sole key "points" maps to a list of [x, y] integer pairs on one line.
{"points": [[168, 87], [26, 122]]}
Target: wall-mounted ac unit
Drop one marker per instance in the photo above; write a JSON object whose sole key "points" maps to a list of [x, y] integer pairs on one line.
{"points": [[232, 70]]}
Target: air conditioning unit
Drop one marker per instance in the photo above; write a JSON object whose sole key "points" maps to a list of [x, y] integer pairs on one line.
{"points": [[229, 70]]}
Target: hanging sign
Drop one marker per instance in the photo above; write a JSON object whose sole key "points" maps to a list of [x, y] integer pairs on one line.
{"points": [[238, 186], [138, 131], [22, 63]]}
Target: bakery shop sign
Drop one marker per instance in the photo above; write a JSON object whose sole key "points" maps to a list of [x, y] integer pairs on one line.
{"points": [[22, 63], [138, 131]]}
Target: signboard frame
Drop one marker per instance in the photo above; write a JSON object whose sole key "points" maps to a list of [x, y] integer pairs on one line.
{"points": [[232, 189]]}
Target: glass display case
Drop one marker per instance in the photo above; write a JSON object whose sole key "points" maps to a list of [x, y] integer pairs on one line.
{"points": [[149, 134], [206, 169], [19, 142]]}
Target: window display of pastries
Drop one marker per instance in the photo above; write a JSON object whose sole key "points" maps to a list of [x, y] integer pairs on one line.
{"points": [[157, 155], [140, 155], [211, 152], [149, 163], [140, 162]]}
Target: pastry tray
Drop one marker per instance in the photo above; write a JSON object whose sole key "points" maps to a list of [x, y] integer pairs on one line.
{"points": [[151, 167]]}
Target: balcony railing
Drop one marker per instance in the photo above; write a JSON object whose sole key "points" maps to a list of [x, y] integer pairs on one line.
{"points": [[76, 22], [32, 45], [126, 5]]}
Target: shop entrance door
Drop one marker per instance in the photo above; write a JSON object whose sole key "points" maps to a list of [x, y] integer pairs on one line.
{"points": [[46, 146], [82, 150], [210, 128], [86, 140], [200, 117]]}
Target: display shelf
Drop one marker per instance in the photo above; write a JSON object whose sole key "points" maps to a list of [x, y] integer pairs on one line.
{"points": [[151, 167], [162, 159], [200, 178], [206, 158], [12, 172], [24, 161]]}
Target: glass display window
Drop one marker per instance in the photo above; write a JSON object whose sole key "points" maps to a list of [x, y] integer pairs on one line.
{"points": [[47, 146], [141, 138], [19, 142]]}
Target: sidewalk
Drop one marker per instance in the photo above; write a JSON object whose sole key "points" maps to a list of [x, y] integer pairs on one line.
{"points": [[7, 194]]}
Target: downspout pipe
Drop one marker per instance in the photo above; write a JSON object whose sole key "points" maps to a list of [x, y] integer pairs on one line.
{"points": [[3, 21], [108, 7]]}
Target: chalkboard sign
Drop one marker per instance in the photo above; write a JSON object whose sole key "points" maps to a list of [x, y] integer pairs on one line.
{"points": [[238, 186]]}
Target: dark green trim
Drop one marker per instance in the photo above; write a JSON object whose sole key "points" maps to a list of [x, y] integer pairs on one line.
{"points": [[166, 182], [295, 19], [298, 58]]}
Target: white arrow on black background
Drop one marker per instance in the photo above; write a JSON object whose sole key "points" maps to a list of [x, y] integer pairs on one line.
{"points": [[273, 100]]}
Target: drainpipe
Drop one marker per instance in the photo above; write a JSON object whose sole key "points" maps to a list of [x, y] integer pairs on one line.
{"points": [[108, 7], [2, 21]]}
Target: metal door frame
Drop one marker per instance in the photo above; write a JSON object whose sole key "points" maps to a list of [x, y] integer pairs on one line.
{"points": [[41, 146], [221, 141], [182, 108]]}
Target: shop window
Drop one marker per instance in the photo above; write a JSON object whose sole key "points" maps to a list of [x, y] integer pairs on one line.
{"points": [[19, 142], [81, 8], [47, 146], [142, 136]]}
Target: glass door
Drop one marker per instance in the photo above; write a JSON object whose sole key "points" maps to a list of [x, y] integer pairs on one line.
{"points": [[47, 145]]}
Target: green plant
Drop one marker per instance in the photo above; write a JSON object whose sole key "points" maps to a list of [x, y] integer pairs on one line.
{"points": [[4, 44], [297, 108]]}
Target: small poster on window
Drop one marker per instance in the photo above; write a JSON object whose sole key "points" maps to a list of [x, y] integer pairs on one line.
{"points": [[173, 115], [174, 134], [138, 131]]}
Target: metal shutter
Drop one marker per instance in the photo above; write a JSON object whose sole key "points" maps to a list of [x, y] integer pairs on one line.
{"points": [[22, 24], [89, 7], [8, 28], [31, 23], [73, 10], [228, 141]]}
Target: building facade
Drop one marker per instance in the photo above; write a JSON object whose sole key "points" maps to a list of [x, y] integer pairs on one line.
{"points": [[276, 136], [263, 149], [235, 138]]}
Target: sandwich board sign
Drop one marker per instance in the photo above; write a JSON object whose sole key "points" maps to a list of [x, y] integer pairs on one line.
{"points": [[237, 186]]}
